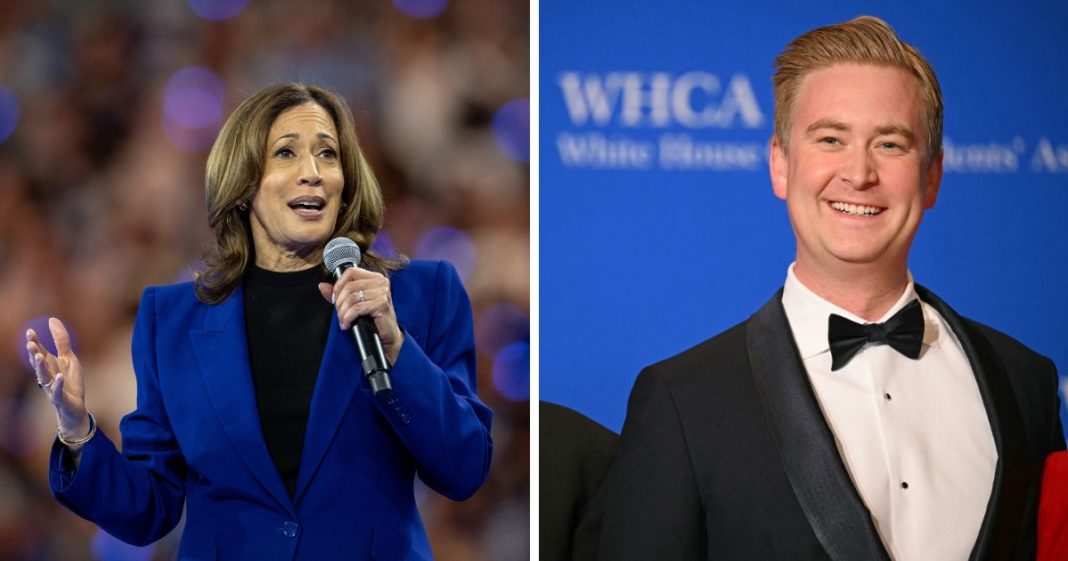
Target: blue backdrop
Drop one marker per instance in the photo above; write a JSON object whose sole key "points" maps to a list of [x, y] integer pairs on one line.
{"points": [[659, 228]]}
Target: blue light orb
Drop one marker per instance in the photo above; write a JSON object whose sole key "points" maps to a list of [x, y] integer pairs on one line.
{"points": [[511, 372], [448, 244], [193, 108], [421, 9], [499, 325], [40, 326], [511, 129], [217, 10], [383, 246], [9, 113]]}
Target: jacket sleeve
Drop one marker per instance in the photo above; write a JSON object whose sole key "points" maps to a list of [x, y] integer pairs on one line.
{"points": [[434, 408], [136, 496], [652, 504], [1056, 432]]}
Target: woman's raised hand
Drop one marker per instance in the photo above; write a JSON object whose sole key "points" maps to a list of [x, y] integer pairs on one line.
{"points": [[60, 376]]}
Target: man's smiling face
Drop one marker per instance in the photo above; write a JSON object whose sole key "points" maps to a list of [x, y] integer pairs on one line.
{"points": [[855, 176]]}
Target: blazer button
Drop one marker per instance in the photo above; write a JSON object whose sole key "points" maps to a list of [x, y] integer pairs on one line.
{"points": [[289, 529]]}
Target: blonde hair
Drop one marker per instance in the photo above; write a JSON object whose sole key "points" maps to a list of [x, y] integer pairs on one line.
{"points": [[232, 176], [863, 40]]}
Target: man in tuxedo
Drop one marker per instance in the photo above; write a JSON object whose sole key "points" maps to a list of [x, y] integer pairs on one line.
{"points": [[855, 416]]}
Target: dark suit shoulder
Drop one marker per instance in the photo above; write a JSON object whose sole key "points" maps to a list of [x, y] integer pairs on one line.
{"points": [[725, 352], [1032, 376], [698, 474], [573, 433], [1009, 348], [574, 446], [697, 390]]}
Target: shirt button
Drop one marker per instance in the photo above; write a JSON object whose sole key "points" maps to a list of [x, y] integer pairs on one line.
{"points": [[289, 529], [887, 397], [904, 484]]}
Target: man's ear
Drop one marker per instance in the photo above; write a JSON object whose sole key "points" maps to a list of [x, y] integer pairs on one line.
{"points": [[778, 168], [934, 181]]}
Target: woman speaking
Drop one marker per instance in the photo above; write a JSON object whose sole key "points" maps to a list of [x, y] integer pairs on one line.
{"points": [[252, 408]]}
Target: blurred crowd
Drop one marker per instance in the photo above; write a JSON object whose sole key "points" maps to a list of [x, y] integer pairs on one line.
{"points": [[98, 199]]}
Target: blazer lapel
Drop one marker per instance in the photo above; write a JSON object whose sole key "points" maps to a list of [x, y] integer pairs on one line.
{"points": [[806, 445], [998, 534], [222, 351], [339, 380]]}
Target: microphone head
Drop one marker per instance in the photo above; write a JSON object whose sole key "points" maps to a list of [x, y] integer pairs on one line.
{"points": [[340, 251]]}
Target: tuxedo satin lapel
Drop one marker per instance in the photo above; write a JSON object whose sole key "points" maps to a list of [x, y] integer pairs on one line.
{"points": [[998, 535], [806, 445], [339, 381], [222, 350]]}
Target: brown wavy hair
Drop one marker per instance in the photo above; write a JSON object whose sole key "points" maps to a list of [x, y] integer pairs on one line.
{"points": [[862, 40], [232, 176]]}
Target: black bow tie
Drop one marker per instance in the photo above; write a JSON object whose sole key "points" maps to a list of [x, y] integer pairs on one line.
{"points": [[903, 332]]}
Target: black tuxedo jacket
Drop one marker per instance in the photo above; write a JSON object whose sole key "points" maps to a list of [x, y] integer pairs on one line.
{"points": [[726, 455]]}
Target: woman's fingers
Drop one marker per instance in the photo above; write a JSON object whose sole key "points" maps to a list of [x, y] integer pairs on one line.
{"points": [[327, 290], [354, 289], [60, 336], [43, 362], [59, 376], [366, 293], [372, 301]]}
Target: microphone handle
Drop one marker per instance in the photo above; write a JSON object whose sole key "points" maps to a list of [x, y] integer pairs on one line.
{"points": [[372, 356]]}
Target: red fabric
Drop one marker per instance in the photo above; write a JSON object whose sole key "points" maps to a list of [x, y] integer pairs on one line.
{"points": [[1053, 509]]}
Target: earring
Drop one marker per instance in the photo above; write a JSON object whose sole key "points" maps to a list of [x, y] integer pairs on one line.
{"points": [[242, 206]]}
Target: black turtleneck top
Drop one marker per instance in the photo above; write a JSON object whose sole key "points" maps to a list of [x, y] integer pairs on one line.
{"points": [[286, 323]]}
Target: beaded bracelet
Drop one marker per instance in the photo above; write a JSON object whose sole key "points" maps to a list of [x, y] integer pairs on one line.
{"points": [[77, 443]]}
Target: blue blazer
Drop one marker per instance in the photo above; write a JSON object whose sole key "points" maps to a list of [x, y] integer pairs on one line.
{"points": [[195, 437]]}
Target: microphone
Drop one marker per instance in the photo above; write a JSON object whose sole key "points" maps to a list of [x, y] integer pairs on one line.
{"points": [[340, 254]]}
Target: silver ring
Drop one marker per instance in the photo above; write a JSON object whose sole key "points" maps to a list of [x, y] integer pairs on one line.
{"points": [[44, 385], [360, 296]]}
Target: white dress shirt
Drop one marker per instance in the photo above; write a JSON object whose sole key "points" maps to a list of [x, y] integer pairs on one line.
{"points": [[913, 434]]}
